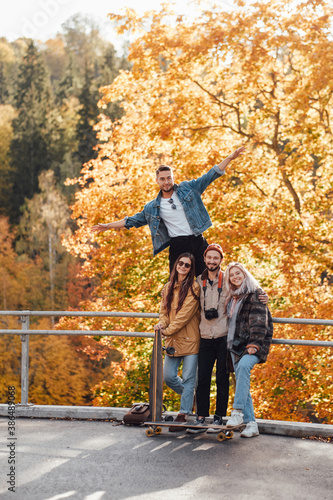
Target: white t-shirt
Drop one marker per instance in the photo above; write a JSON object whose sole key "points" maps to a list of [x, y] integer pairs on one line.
{"points": [[175, 220]]}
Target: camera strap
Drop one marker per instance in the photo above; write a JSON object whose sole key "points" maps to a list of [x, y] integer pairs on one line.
{"points": [[219, 289]]}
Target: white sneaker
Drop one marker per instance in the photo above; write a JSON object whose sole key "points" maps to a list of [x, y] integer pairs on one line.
{"points": [[235, 419], [251, 430]]}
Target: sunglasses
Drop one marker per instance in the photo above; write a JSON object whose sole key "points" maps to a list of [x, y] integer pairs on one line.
{"points": [[185, 264], [173, 206]]}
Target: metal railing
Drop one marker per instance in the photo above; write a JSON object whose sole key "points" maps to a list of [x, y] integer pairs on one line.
{"points": [[25, 332]]}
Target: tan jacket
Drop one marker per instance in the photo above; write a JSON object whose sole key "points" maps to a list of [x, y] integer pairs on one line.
{"points": [[217, 327], [182, 328]]}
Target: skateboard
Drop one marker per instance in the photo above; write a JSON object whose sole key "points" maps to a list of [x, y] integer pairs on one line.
{"points": [[156, 399], [223, 434]]}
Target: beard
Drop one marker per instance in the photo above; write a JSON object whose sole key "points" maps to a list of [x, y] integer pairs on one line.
{"points": [[167, 190], [212, 267]]}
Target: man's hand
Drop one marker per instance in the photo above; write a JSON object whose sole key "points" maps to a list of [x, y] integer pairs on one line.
{"points": [[224, 163], [263, 298], [237, 153], [111, 225], [100, 228], [252, 350]]}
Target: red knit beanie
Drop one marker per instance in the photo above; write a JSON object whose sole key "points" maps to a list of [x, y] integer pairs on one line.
{"points": [[216, 247]]}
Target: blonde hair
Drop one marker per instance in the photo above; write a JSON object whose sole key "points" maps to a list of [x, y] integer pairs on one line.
{"points": [[251, 283]]}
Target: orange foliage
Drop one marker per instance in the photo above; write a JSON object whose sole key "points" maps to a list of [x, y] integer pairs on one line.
{"points": [[197, 90], [56, 374]]}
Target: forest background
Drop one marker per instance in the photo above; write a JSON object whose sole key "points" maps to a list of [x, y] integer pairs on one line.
{"points": [[189, 93]]}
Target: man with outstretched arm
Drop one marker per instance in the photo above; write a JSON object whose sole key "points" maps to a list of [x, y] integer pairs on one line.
{"points": [[213, 344], [177, 217]]}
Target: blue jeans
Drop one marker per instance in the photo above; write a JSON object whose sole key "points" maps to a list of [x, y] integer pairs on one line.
{"points": [[185, 384], [243, 400]]}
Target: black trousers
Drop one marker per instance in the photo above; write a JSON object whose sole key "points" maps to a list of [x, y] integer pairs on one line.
{"points": [[196, 245], [212, 350]]}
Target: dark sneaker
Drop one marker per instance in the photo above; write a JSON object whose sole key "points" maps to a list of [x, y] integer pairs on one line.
{"points": [[217, 421], [198, 421], [181, 418]]}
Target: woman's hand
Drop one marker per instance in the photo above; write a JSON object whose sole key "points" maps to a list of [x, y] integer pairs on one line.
{"points": [[263, 297], [159, 326]]}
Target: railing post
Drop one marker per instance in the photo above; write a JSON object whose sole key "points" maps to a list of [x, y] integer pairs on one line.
{"points": [[25, 360]]}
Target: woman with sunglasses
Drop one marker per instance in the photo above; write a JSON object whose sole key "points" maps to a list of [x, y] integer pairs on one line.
{"points": [[179, 323], [250, 331]]}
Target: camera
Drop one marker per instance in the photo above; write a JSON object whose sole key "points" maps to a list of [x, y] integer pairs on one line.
{"points": [[237, 347], [211, 314], [169, 350]]}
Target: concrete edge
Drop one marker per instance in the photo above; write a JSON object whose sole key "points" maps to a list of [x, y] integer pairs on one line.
{"points": [[53, 411], [274, 427], [294, 429]]}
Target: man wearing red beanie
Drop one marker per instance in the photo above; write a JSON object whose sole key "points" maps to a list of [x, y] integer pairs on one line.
{"points": [[213, 345]]}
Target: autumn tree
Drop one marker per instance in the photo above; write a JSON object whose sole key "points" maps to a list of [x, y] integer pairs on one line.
{"points": [[88, 113], [44, 220], [6, 60], [9, 284], [30, 144], [256, 76], [83, 39], [58, 375], [7, 114], [22, 281], [47, 113], [11, 55], [56, 59]]}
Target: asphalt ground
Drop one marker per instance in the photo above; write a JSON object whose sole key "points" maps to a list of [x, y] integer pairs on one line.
{"points": [[96, 460]]}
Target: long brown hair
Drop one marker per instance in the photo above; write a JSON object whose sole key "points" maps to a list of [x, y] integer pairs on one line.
{"points": [[185, 286]]}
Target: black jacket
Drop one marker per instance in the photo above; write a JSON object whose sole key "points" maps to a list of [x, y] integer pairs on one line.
{"points": [[254, 326]]}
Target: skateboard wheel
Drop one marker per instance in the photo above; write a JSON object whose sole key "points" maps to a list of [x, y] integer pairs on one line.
{"points": [[169, 418], [221, 436], [149, 432], [229, 434], [158, 430]]}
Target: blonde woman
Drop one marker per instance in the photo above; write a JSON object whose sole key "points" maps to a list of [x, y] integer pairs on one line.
{"points": [[250, 331]]}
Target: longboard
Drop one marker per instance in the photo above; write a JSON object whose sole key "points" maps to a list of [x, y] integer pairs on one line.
{"points": [[156, 379], [156, 400], [224, 431]]}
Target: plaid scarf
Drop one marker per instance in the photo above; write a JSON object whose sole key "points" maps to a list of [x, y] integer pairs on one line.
{"points": [[237, 294], [241, 290]]}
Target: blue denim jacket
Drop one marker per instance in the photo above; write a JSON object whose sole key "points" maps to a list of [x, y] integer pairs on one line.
{"points": [[189, 194]]}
